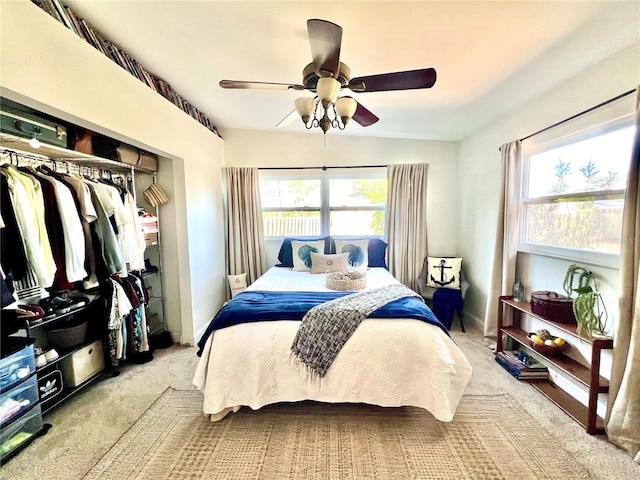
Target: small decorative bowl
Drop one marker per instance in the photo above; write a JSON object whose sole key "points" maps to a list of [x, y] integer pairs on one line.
{"points": [[348, 281], [547, 349]]}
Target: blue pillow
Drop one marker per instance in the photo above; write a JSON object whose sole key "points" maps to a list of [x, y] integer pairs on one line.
{"points": [[286, 254], [377, 250]]}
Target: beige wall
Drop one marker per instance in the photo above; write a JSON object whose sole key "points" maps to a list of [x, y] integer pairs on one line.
{"points": [[58, 73], [245, 148]]}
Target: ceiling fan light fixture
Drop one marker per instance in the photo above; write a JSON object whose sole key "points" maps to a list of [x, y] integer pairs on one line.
{"points": [[328, 89], [327, 75], [305, 107], [345, 108]]}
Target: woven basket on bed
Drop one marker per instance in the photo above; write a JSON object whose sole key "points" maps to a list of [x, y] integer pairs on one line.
{"points": [[348, 281]]}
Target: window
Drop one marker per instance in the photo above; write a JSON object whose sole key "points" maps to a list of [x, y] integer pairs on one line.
{"points": [[573, 195], [291, 207], [357, 206], [324, 205]]}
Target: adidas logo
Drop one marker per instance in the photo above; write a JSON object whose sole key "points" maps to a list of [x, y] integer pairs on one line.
{"points": [[48, 388]]}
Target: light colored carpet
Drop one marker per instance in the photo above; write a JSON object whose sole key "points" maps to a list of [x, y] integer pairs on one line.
{"points": [[490, 437], [87, 426]]}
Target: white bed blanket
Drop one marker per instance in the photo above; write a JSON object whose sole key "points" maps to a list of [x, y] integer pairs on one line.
{"points": [[387, 362]]}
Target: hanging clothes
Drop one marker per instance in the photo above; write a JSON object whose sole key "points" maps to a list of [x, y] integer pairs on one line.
{"points": [[60, 229], [108, 255], [118, 307], [127, 329], [28, 206], [88, 215], [143, 296], [12, 252], [122, 220], [54, 230], [74, 246], [132, 241]]}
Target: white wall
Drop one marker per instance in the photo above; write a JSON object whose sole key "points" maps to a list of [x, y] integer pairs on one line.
{"points": [[479, 189], [249, 148], [46, 66], [479, 177]]}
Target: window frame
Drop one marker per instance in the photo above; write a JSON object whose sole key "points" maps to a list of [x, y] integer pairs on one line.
{"points": [[611, 260], [325, 209]]}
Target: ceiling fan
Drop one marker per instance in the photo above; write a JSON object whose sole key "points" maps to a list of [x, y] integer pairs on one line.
{"points": [[327, 76]]}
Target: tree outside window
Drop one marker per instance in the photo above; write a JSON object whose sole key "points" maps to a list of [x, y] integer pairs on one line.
{"points": [[575, 193]]}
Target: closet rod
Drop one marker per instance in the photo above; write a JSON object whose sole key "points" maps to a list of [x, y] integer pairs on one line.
{"points": [[13, 153], [321, 168], [56, 162], [18, 155], [606, 102]]}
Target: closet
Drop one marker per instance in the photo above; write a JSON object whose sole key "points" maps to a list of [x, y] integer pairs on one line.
{"points": [[89, 291]]}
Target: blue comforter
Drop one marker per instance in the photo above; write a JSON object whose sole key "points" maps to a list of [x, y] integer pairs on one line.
{"points": [[262, 306]]}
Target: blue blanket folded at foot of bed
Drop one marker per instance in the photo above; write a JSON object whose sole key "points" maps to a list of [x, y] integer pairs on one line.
{"points": [[261, 306]]}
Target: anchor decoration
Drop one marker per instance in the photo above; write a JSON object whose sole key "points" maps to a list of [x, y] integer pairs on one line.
{"points": [[444, 280]]}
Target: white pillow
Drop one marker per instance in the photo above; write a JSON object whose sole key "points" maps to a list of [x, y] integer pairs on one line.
{"points": [[329, 263], [358, 251], [301, 252], [237, 283], [444, 272]]}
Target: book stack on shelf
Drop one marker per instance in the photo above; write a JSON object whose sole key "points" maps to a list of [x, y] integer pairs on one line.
{"points": [[521, 365], [80, 27]]}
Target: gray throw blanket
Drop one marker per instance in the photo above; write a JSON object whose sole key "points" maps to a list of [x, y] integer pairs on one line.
{"points": [[326, 327]]}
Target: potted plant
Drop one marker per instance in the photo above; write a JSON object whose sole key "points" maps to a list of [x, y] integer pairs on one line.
{"points": [[588, 306]]}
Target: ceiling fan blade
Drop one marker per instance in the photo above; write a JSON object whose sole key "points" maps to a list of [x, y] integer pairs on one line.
{"points": [[408, 80], [289, 119], [363, 116], [239, 84], [325, 39]]}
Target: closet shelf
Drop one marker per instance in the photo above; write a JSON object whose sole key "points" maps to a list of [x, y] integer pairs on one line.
{"points": [[59, 154]]}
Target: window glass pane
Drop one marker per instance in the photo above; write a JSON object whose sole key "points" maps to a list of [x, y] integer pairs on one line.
{"points": [[290, 193], [291, 223], [353, 222], [585, 225], [597, 163], [299, 206], [357, 192]]}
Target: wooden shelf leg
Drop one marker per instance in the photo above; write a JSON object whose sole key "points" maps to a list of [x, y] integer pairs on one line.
{"points": [[500, 324], [594, 388]]}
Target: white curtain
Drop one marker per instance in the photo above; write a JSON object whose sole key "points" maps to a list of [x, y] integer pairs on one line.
{"points": [[245, 232], [406, 221], [623, 408], [506, 240]]}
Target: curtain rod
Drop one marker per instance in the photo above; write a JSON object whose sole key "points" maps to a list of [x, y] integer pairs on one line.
{"points": [[606, 102], [323, 167]]}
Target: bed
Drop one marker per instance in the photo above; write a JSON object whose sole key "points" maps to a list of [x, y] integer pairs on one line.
{"points": [[389, 362]]}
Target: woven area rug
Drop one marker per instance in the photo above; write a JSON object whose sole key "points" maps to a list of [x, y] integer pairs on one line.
{"points": [[491, 437]]}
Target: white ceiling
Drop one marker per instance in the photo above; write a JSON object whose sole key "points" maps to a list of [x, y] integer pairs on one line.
{"points": [[490, 56]]}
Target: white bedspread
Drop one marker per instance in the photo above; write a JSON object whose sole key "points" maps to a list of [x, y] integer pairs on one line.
{"points": [[387, 362]]}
